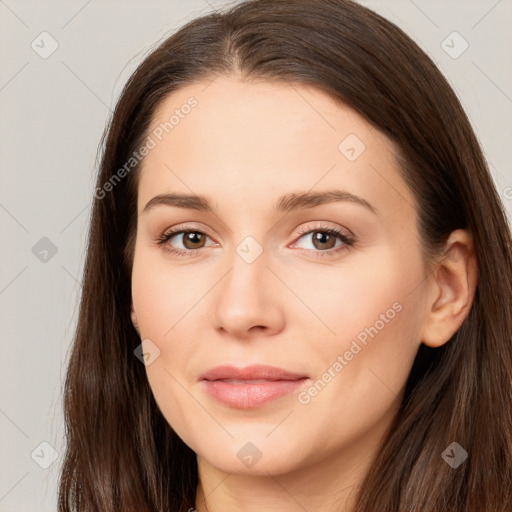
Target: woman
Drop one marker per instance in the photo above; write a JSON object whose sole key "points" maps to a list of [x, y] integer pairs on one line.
{"points": [[297, 291]]}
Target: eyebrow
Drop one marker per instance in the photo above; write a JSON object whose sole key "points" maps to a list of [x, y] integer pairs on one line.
{"points": [[286, 203]]}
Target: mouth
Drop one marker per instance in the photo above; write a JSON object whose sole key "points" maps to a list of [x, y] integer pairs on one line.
{"points": [[252, 386]]}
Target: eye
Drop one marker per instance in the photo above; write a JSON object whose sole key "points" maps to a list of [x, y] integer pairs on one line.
{"points": [[191, 240], [323, 240]]}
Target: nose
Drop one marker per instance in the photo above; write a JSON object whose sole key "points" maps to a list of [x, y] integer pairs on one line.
{"points": [[248, 300]]}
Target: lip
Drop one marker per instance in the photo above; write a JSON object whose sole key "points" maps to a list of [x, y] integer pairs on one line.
{"points": [[252, 386]]}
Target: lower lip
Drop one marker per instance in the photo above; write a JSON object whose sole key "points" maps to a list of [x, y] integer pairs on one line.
{"points": [[249, 396]]}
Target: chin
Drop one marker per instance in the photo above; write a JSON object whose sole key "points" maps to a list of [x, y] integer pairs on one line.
{"points": [[255, 455]]}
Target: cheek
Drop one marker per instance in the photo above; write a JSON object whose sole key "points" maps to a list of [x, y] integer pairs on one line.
{"points": [[371, 315], [366, 290], [163, 294], [163, 299]]}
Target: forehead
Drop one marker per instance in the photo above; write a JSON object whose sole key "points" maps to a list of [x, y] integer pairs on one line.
{"points": [[252, 141]]}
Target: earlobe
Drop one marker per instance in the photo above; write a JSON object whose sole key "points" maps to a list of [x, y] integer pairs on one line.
{"points": [[134, 319], [453, 285]]}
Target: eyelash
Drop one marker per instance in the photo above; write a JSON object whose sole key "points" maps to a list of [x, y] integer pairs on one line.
{"points": [[347, 240]]}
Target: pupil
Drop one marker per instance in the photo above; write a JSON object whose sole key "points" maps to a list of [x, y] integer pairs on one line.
{"points": [[190, 237], [320, 237]]}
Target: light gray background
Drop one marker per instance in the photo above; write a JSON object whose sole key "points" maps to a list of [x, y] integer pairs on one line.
{"points": [[53, 112]]}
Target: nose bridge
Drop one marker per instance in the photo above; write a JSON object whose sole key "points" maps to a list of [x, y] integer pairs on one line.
{"points": [[245, 282], [249, 258], [245, 298]]}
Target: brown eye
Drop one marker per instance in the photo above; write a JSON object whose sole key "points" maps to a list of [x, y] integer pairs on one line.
{"points": [[193, 239], [189, 239], [323, 240]]}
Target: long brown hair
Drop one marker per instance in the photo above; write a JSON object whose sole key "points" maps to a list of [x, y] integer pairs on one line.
{"points": [[121, 453]]}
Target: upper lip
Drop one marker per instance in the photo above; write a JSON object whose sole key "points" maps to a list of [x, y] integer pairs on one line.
{"points": [[253, 372]]}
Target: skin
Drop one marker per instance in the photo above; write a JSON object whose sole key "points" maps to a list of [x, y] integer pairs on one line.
{"points": [[243, 146]]}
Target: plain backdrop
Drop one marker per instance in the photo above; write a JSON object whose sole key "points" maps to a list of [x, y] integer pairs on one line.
{"points": [[53, 111]]}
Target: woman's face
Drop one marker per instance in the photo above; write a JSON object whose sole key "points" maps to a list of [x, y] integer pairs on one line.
{"points": [[262, 279]]}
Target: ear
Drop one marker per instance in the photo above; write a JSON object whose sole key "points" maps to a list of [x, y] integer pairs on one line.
{"points": [[452, 289], [134, 319]]}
